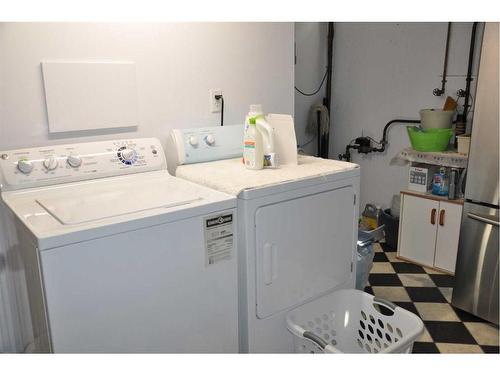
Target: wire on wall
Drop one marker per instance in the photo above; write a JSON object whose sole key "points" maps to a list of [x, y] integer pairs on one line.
{"points": [[315, 91]]}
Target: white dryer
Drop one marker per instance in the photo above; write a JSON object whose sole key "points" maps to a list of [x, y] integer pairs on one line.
{"points": [[297, 228], [119, 256]]}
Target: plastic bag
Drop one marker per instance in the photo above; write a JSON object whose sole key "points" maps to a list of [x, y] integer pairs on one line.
{"points": [[364, 265]]}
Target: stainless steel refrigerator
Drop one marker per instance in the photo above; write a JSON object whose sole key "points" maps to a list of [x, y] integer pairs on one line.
{"points": [[476, 274]]}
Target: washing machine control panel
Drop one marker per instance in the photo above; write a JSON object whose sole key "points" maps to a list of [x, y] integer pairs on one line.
{"points": [[40, 166]]}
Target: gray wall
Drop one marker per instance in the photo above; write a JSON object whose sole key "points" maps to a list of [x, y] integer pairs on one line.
{"points": [[383, 71], [176, 66], [310, 51]]}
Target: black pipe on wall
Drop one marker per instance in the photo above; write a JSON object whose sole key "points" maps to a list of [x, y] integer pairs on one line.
{"points": [[440, 91], [325, 141], [468, 79], [383, 141]]}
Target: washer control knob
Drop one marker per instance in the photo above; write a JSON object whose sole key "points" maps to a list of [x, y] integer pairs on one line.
{"points": [[210, 140], [74, 161], [193, 141], [25, 166], [50, 163], [128, 154]]}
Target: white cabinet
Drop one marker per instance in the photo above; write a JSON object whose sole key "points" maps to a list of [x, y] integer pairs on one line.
{"points": [[450, 215], [428, 231]]}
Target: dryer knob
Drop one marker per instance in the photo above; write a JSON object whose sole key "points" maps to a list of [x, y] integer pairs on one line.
{"points": [[25, 166], [193, 141], [74, 161], [50, 163], [210, 140]]}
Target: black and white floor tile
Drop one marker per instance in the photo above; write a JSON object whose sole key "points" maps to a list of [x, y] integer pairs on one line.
{"points": [[427, 293]]}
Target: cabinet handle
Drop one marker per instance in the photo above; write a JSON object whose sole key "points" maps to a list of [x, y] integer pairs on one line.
{"points": [[441, 217], [433, 216]]}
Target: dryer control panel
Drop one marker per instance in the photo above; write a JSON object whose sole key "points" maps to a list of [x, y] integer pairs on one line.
{"points": [[196, 145], [42, 166]]}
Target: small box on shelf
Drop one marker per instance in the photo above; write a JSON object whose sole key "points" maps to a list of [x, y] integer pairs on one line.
{"points": [[420, 176]]}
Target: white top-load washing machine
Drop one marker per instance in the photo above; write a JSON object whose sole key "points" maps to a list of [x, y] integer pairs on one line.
{"points": [[297, 227], [120, 256]]}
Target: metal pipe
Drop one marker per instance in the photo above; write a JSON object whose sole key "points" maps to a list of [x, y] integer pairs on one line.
{"points": [[468, 79], [318, 121], [325, 142], [436, 91], [383, 142]]}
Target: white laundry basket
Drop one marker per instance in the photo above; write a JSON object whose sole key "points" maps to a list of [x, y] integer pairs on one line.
{"points": [[352, 321]]}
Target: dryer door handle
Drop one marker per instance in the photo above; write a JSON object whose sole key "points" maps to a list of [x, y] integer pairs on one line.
{"points": [[270, 263]]}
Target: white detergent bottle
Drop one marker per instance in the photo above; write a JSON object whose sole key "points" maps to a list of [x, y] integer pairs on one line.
{"points": [[267, 132], [253, 152]]}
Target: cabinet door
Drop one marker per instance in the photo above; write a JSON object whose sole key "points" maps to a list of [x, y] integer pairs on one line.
{"points": [[448, 220], [418, 234]]}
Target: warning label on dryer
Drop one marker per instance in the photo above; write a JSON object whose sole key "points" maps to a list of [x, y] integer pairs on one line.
{"points": [[219, 238]]}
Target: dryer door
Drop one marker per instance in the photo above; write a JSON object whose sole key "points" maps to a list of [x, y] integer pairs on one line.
{"points": [[304, 248]]}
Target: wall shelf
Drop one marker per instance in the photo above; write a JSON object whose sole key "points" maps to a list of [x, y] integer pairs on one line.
{"points": [[446, 158]]}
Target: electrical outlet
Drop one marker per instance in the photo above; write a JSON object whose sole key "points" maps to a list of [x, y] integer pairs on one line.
{"points": [[215, 105]]}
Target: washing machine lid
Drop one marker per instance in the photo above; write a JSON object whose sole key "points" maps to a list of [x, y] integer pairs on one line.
{"points": [[230, 176], [79, 211], [104, 200]]}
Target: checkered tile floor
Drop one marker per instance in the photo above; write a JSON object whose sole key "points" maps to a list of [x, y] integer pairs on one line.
{"points": [[427, 293]]}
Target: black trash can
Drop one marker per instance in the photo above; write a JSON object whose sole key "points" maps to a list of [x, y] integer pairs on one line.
{"points": [[391, 228]]}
